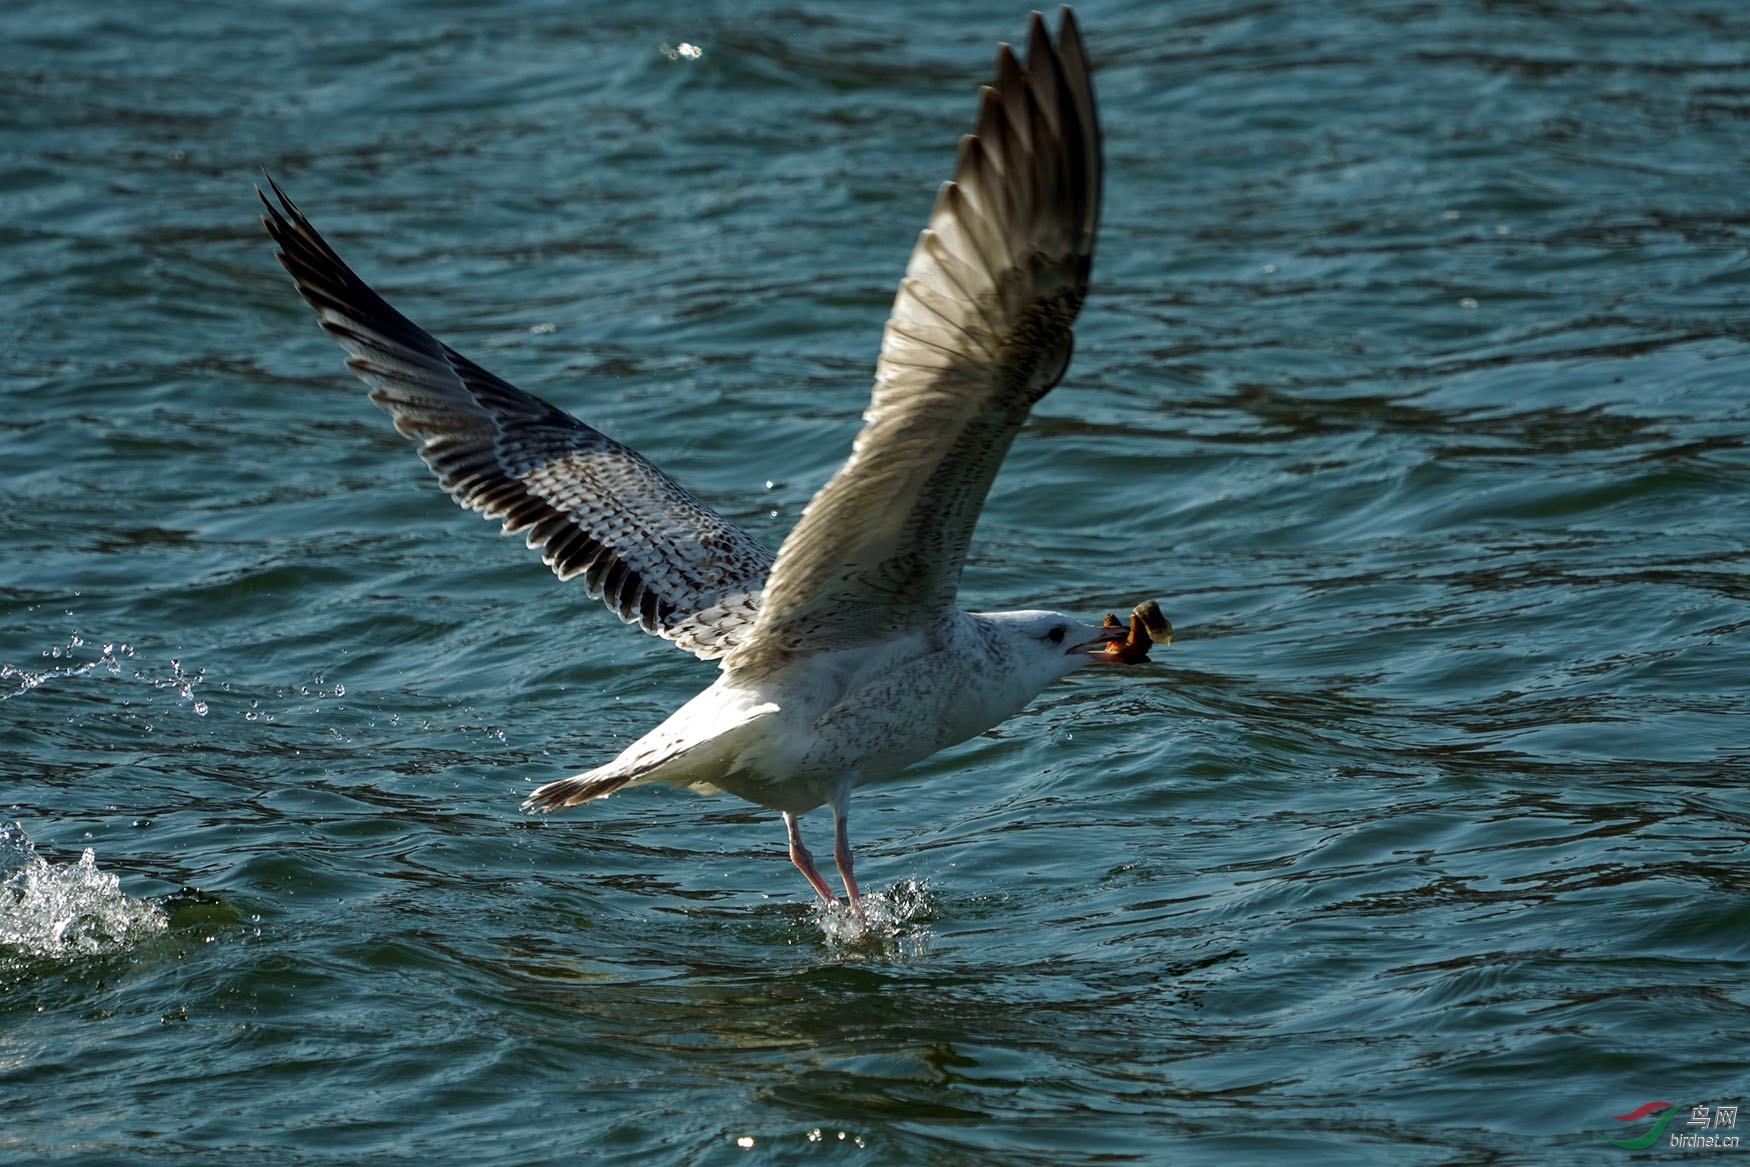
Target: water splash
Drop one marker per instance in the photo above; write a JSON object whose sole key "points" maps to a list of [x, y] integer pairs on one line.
{"points": [[73, 659], [62, 910], [893, 925], [79, 658]]}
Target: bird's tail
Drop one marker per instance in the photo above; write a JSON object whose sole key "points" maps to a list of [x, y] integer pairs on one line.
{"points": [[706, 751], [578, 788], [636, 766]]}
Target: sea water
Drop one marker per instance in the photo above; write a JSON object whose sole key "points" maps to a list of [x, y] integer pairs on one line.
{"points": [[1412, 383]]}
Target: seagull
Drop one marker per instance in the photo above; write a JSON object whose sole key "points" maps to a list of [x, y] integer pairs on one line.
{"points": [[844, 658]]}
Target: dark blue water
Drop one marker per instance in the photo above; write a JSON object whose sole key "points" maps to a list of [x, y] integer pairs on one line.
{"points": [[1413, 384]]}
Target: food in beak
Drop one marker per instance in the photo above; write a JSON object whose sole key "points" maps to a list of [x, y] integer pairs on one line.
{"points": [[1148, 627]]}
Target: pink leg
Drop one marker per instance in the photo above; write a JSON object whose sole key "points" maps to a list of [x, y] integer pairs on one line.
{"points": [[841, 855], [804, 861]]}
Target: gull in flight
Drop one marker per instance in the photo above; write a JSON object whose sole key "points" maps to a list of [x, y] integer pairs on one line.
{"points": [[844, 658]]}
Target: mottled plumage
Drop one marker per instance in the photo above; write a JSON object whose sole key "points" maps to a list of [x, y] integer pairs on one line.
{"points": [[646, 547], [846, 658]]}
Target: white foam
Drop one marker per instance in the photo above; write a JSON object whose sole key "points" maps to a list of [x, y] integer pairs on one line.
{"points": [[67, 909], [892, 924]]}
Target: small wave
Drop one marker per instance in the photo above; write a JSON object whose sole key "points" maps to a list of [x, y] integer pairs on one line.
{"points": [[61, 910]]}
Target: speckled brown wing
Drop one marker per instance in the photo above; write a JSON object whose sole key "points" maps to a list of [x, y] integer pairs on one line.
{"points": [[980, 330], [652, 552]]}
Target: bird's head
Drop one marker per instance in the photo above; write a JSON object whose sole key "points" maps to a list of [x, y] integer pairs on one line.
{"points": [[1046, 645]]}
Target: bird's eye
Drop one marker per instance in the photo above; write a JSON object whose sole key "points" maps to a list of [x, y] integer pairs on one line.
{"points": [[1056, 634]]}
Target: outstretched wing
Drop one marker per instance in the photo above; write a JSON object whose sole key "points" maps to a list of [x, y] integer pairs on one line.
{"points": [[593, 508], [980, 330]]}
